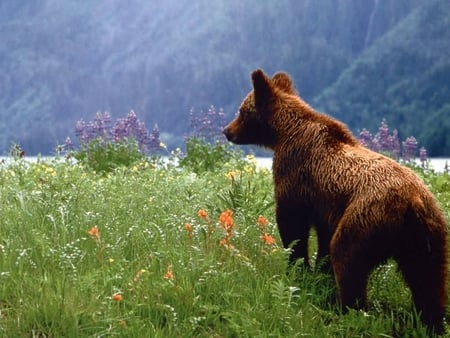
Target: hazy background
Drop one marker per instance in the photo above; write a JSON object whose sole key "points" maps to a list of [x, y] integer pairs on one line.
{"points": [[358, 60]]}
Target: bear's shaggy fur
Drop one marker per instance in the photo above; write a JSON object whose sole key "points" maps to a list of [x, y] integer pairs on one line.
{"points": [[365, 207]]}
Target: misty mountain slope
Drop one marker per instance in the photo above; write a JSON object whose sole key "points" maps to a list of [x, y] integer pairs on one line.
{"points": [[62, 61], [404, 77]]}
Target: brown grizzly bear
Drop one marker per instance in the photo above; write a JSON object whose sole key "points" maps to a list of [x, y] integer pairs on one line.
{"points": [[365, 207]]}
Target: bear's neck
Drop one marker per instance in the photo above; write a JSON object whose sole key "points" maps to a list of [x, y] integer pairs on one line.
{"points": [[302, 129]]}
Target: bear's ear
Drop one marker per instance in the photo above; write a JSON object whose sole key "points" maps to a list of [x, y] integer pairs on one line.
{"points": [[283, 81], [262, 88]]}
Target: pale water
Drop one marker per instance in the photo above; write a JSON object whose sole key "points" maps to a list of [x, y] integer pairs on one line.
{"points": [[439, 164]]}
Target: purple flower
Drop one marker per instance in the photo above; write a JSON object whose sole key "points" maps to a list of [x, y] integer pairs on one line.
{"points": [[409, 148], [102, 130], [365, 137], [207, 125], [68, 144], [423, 155], [390, 144]]}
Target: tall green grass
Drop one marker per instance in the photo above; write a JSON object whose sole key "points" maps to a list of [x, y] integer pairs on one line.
{"points": [[128, 254]]}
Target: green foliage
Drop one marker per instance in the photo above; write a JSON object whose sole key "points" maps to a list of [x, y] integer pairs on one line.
{"points": [[439, 185], [130, 254], [202, 156], [104, 157]]}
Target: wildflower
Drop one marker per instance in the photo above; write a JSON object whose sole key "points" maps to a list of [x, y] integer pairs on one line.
{"points": [[223, 242], [139, 275], [188, 228], [409, 148], [365, 137], [202, 214], [117, 297], [50, 171], [68, 144], [207, 125], [267, 239], [94, 232], [226, 220], [169, 273], [262, 222], [231, 175], [249, 169], [422, 154]]}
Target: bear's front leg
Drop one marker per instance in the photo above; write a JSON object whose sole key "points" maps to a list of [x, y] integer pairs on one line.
{"points": [[323, 261], [293, 227]]}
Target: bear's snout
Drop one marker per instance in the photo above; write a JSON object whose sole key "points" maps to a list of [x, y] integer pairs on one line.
{"points": [[228, 134]]}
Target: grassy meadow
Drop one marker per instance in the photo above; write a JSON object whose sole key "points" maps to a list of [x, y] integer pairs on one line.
{"points": [[161, 249]]}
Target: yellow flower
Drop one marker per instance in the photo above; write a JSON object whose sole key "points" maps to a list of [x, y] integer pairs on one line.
{"points": [[231, 175]]}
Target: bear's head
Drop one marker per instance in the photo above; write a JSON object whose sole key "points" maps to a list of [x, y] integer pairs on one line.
{"points": [[253, 122]]}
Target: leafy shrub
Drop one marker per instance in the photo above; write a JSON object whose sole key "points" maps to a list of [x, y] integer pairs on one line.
{"points": [[105, 157], [104, 147], [206, 147], [202, 156]]}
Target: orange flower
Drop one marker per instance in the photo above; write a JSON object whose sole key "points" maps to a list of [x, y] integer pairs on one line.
{"points": [[94, 232], [223, 242], [188, 228], [117, 297], [203, 214], [267, 239], [226, 220], [169, 273], [262, 222]]}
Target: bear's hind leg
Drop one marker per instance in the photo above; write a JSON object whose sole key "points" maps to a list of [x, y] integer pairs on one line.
{"points": [[351, 268], [352, 284], [425, 272]]}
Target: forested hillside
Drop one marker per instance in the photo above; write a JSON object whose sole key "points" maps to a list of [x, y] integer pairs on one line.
{"points": [[357, 60], [404, 77]]}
